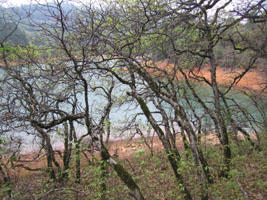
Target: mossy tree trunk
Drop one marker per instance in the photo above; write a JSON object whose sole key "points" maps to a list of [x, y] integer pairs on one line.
{"points": [[172, 153], [124, 175]]}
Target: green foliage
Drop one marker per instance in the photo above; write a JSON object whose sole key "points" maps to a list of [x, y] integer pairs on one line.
{"points": [[139, 153], [2, 140], [7, 48], [156, 180], [4, 189]]}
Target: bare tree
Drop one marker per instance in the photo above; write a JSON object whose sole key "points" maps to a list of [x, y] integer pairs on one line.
{"points": [[81, 58]]}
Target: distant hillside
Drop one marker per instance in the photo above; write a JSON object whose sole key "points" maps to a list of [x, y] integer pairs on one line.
{"points": [[21, 33], [10, 30]]}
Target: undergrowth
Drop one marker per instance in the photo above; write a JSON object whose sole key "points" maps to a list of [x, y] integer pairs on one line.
{"points": [[153, 174]]}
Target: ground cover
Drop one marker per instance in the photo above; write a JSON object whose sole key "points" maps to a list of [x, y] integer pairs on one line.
{"points": [[154, 175]]}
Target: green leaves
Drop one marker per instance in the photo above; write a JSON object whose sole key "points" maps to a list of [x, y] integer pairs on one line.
{"points": [[2, 140], [8, 49], [139, 153]]}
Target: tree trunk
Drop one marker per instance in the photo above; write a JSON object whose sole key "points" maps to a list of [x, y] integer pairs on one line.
{"points": [[50, 163], [173, 155], [204, 174], [223, 130], [49, 157], [67, 149], [49, 153], [77, 158], [186, 144], [236, 127], [123, 174]]}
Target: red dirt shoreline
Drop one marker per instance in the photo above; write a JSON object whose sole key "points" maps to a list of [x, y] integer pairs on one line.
{"points": [[122, 149], [254, 79]]}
